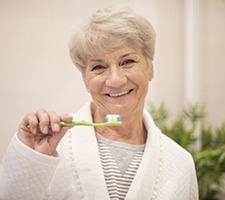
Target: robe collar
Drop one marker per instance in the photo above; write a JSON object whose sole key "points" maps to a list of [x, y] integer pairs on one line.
{"points": [[88, 163]]}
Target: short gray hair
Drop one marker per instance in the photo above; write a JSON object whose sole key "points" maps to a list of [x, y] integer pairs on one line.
{"points": [[109, 29]]}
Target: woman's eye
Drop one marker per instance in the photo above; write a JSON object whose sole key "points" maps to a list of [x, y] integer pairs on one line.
{"points": [[127, 62], [98, 67]]}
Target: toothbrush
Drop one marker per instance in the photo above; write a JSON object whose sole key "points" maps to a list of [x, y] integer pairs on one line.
{"points": [[110, 120]]}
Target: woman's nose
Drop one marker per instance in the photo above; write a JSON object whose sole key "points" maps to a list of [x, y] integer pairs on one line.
{"points": [[116, 77]]}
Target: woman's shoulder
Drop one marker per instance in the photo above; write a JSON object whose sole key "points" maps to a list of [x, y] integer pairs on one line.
{"points": [[169, 146], [176, 156], [173, 147]]}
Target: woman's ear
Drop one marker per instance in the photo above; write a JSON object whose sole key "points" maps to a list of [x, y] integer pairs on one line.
{"points": [[151, 72]]}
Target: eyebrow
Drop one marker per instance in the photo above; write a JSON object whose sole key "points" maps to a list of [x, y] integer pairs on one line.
{"points": [[95, 60], [128, 54], [123, 56]]}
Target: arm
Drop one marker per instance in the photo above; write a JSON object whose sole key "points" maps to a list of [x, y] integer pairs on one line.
{"points": [[194, 192], [28, 165], [25, 173]]}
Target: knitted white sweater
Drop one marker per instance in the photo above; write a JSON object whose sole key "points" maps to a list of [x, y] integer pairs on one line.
{"points": [[166, 171]]}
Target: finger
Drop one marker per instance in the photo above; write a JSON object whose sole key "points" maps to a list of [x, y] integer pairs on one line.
{"points": [[63, 130], [66, 118], [29, 123], [44, 120], [54, 121]]}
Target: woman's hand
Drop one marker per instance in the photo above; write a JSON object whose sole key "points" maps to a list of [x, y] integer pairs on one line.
{"points": [[44, 132]]}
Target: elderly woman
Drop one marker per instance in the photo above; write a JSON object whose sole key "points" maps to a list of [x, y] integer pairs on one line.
{"points": [[114, 51]]}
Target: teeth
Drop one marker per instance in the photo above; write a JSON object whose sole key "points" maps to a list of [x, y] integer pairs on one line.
{"points": [[119, 94]]}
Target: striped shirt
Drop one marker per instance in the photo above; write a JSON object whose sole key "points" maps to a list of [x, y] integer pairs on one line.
{"points": [[120, 162]]}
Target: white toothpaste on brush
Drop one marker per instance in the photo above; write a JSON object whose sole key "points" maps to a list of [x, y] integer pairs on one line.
{"points": [[113, 118]]}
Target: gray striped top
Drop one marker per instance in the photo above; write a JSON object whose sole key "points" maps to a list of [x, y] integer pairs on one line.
{"points": [[120, 162]]}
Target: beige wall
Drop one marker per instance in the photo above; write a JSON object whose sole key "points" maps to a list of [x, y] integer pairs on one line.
{"points": [[212, 55], [36, 71]]}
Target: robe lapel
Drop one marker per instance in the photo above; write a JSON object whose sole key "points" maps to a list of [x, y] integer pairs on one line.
{"points": [[87, 159], [146, 178]]}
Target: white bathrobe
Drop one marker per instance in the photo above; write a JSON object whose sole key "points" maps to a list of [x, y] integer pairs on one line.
{"points": [[166, 172]]}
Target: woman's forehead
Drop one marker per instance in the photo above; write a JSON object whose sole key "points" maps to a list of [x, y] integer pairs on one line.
{"points": [[121, 52]]}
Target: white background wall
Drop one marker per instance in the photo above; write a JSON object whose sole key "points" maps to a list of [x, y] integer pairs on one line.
{"points": [[36, 71]]}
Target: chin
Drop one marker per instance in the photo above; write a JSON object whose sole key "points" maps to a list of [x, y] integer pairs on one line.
{"points": [[117, 109]]}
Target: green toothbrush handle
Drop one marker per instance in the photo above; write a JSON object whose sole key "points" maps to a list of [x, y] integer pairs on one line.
{"points": [[84, 123], [76, 123]]}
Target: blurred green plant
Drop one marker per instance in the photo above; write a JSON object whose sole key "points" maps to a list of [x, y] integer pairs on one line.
{"points": [[205, 143]]}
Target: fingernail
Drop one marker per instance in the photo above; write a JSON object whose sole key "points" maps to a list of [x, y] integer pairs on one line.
{"points": [[56, 127]]}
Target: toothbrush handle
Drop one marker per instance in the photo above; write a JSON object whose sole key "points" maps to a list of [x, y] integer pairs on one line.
{"points": [[68, 124], [84, 123], [76, 123]]}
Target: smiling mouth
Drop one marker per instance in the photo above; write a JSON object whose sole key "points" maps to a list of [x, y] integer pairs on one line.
{"points": [[119, 94]]}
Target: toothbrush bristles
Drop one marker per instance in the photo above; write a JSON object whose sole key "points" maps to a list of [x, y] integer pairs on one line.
{"points": [[112, 118]]}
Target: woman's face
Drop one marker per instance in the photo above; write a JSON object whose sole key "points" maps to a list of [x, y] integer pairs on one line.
{"points": [[118, 81]]}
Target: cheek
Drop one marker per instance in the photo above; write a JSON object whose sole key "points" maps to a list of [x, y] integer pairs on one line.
{"points": [[143, 82], [93, 83], [143, 77]]}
